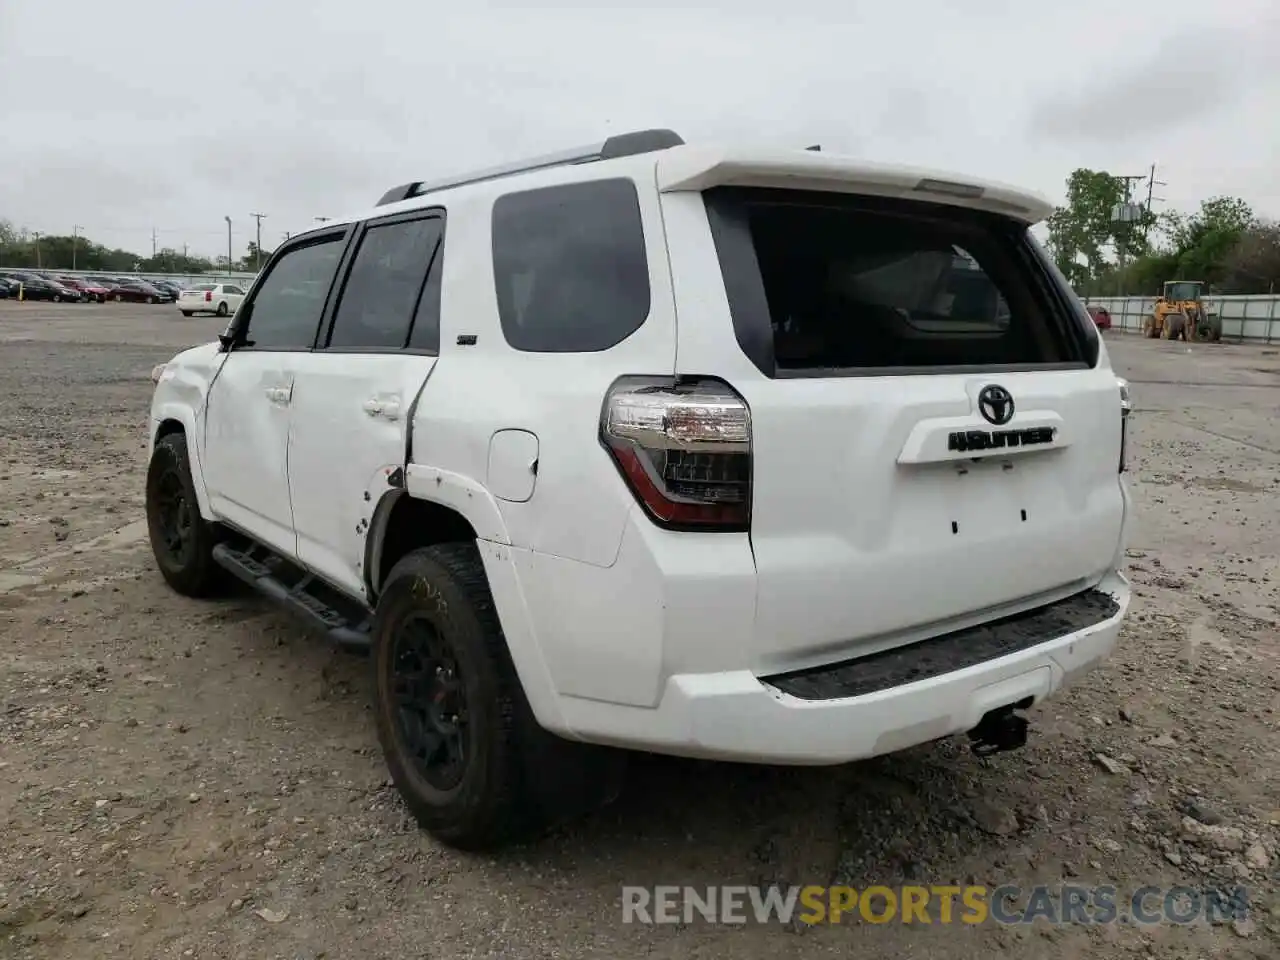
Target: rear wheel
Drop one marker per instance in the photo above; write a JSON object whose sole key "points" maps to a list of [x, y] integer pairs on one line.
{"points": [[119, 298], [222, 309], [151, 299], [181, 539], [461, 742], [1149, 327]]}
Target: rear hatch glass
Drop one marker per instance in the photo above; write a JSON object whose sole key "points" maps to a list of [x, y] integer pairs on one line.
{"points": [[859, 284]]}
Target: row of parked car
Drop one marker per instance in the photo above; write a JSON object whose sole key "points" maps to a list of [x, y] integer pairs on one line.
{"points": [[51, 286]]}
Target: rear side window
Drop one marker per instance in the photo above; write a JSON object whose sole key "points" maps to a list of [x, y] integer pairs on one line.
{"points": [[570, 266], [822, 283], [385, 283]]}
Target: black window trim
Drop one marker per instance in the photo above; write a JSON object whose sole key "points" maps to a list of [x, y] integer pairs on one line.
{"points": [[344, 275], [244, 315], [748, 303]]}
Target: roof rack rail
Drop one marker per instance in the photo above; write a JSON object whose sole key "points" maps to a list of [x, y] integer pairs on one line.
{"points": [[620, 145]]}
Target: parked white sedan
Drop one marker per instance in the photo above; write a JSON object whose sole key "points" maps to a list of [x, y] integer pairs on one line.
{"points": [[219, 298]]}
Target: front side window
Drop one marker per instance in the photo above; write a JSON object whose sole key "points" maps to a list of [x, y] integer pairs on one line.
{"points": [[286, 310]]}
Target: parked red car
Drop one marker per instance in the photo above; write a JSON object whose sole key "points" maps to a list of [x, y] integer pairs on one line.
{"points": [[138, 291], [1101, 318], [93, 292]]}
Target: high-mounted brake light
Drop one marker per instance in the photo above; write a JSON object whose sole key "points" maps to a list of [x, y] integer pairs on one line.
{"points": [[950, 187], [684, 448], [1126, 407]]}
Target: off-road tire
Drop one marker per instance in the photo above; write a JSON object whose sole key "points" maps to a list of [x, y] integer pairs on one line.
{"points": [[1175, 327], [517, 778], [191, 571]]}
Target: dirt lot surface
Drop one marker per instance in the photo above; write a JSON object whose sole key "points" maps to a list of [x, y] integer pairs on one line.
{"points": [[183, 779]]}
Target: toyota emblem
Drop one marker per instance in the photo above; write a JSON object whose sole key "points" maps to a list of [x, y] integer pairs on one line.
{"points": [[995, 403]]}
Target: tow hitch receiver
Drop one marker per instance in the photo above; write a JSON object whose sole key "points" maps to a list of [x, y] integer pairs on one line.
{"points": [[998, 731]]}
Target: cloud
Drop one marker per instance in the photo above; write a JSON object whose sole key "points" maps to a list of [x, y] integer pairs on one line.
{"points": [[1165, 90]]}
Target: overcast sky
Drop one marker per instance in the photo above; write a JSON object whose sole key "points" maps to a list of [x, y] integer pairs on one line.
{"points": [[135, 115]]}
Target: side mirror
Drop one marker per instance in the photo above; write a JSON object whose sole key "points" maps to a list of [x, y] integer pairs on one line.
{"points": [[233, 335]]}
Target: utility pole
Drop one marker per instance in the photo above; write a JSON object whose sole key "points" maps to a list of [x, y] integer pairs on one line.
{"points": [[153, 243], [1152, 183], [184, 251], [228, 219], [75, 238], [1123, 216], [286, 236], [258, 242], [36, 234]]}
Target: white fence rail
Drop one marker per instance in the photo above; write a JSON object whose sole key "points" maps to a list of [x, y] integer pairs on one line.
{"points": [[1253, 319]]}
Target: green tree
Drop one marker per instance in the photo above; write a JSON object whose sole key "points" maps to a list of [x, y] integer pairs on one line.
{"points": [[1253, 266], [1082, 234], [250, 261]]}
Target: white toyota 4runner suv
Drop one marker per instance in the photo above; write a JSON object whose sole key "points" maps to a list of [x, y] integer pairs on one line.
{"points": [[727, 453]]}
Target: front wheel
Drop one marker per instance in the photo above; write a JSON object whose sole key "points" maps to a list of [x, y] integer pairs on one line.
{"points": [[464, 749], [181, 539]]}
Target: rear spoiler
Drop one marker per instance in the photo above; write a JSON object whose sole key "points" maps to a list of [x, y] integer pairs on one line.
{"points": [[698, 168]]}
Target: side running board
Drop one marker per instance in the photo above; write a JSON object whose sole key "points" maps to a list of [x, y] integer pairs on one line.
{"points": [[298, 591]]}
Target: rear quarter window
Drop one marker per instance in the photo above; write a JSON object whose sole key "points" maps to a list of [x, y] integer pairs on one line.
{"points": [[570, 268]]}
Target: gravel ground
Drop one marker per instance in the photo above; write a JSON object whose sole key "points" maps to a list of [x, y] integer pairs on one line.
{"points": [[184, 779]]}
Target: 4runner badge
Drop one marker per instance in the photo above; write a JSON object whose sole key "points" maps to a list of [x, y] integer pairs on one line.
{"points": [[995, 403]]}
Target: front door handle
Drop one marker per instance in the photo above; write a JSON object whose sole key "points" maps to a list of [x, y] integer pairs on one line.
{"points": [[387, 409]]}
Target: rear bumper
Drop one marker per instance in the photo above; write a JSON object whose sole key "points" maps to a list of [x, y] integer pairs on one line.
{"points": [[739, 716]]}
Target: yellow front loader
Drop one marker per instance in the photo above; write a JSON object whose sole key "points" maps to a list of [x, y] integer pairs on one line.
{"points": [[1180, 313]]}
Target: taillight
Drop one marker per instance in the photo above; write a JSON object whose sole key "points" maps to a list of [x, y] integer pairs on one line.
{"points": [[684, 448], [1126, 407], [208, 296]]}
